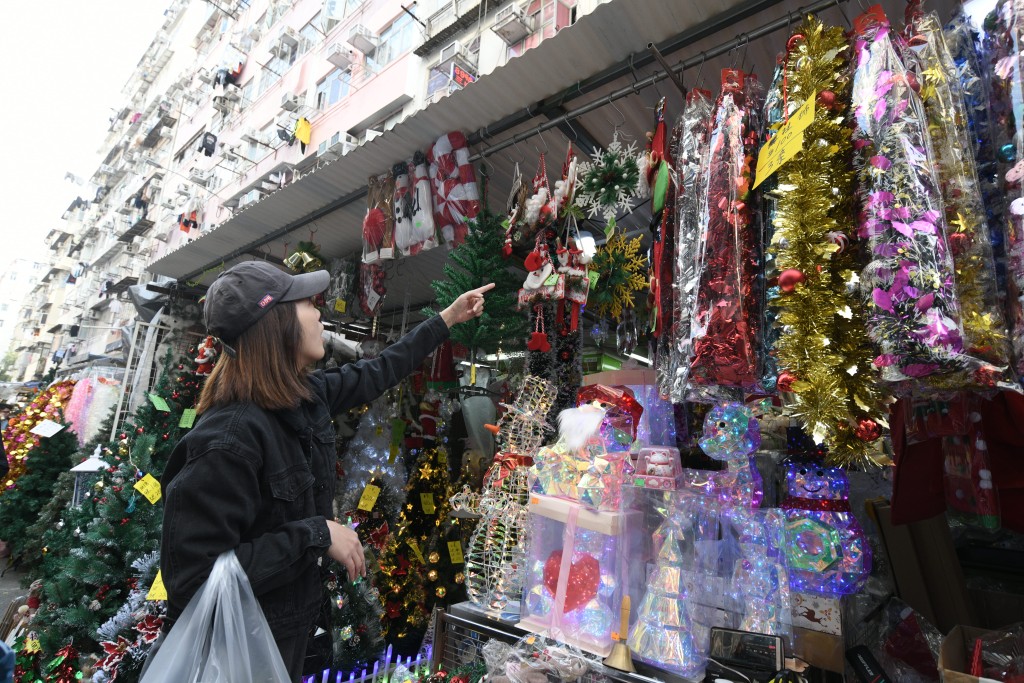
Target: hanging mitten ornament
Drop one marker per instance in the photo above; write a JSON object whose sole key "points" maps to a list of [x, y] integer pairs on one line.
{"points": [[539, 337], [206, 357], [542, 282]]}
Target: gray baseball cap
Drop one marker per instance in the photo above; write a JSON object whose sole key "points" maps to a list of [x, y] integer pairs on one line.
{"points": [[243, 293]]}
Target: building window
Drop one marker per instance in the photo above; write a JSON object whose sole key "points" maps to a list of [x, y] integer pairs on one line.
{"points": [[311, 35], [395, 40], [247, 91], [332, 89]]}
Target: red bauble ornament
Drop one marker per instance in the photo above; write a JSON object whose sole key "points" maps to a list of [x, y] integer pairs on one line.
{"points": [[827, 99], [958, 242], [584, 579], [165, 437], [867, 429], [785, 381], [140, 430], [789, 278], [122, 436]]}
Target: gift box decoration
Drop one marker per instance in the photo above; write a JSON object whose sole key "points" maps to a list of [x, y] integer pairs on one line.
{"points": [[576, 572]]}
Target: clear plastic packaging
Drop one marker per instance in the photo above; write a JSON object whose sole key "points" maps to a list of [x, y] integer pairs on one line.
{"points": [[986, 346], [909, 281], [379, 222], [725, 323], [221, 637], [691, 162]]}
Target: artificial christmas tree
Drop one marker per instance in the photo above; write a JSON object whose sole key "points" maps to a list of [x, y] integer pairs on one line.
{"points": [[406, 604], [27, 659], [356, 616], [474, 263], [19, 441], [21, 504]]}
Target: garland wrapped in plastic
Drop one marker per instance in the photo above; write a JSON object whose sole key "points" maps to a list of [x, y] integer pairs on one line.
{"points": [[726, 321], [984, 326], [823, 350], [690, 165], [908, 283]]}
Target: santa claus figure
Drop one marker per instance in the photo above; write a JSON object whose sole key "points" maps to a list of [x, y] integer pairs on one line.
{"points": [[207, 355]]}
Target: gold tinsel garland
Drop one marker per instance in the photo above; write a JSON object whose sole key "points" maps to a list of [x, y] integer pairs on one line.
{"points": [[824, 353]]}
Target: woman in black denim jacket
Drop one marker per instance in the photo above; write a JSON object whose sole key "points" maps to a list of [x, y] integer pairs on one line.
{"points": [[257, 472]]}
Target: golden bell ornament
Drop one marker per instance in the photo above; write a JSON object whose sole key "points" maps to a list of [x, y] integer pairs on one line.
{"points": [[620, 657]]}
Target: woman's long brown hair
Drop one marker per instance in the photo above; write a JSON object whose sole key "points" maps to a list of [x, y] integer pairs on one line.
{"points": [[265, 372]]}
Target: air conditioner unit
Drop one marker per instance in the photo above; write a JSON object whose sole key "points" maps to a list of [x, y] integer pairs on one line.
{"points": [[156, 183], [167, 203], [338, 145], [232, 92], [249, 197], [107, 169], [362, 39], [223, 105], [512, 25], [252, 135], [166, 133], [290, 37], [253, 32], [204, 76], [162, 235], [130, 248], [456, 53], [341, 56], [289, 101], [199, 176]]}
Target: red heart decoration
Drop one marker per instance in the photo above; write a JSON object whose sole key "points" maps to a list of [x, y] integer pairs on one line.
{"points": [[584, 579]]}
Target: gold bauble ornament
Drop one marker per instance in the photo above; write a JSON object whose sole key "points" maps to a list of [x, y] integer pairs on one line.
{"points": [[433, 558], [432, 575]]}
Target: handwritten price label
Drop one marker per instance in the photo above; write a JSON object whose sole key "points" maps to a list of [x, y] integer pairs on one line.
{"points": [[157, 591], [188, 418], [786, 143], [455, 552], [369, 497], [159, 403], [149, 487], [427, 501]]}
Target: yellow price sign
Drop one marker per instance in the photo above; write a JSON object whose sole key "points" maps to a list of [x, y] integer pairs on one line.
{"points": [[786, 142], [416, 551], [369, 497], [149, 487], [157, 591], [340, 305], [427, 502], [455, 552]]}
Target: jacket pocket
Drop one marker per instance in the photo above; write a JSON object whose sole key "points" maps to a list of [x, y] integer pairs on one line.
{"points": [[292, 494]]}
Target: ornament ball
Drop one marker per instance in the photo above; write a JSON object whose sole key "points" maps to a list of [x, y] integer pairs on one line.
{"points": [[785, 381], [140, 430], [867, 429], [827, 99], [789, 278]]}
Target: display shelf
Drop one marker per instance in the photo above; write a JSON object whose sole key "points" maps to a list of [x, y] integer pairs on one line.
{"points": [[463, 630]]}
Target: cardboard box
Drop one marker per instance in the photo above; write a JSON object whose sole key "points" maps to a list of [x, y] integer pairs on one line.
{"points": [[822, 650], [955, 655]]}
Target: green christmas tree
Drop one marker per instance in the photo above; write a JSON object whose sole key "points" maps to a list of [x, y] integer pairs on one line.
{"points": [[446, 565], [402, 588], [87, 569], [356, 615], [472, 264], [20, 506]]}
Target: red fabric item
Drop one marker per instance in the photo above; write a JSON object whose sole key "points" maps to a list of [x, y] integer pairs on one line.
{"points": [[918, 487]]}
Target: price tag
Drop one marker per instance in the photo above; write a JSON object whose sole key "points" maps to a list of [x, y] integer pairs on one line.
{"points": [[159, 403], [552, 280], [369, 497], [455, 552], [786, 143], [188, 418], [397, 436], [47, 428], [149, 487], [427, 502], [340, 305], [442, 457], [157, 590], [416, 551], [593, 276]]}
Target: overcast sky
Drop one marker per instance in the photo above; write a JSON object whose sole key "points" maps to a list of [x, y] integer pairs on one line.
{"points": [[66, 62]]}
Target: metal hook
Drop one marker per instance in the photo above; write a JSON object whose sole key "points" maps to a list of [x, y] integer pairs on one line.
{"points": [[540, 133], [575, 134], [746, 47], [620, 124], [700, 70]]}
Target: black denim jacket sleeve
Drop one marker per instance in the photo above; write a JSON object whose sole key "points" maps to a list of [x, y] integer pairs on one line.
{"points": [[358, 383], [214, 496]]}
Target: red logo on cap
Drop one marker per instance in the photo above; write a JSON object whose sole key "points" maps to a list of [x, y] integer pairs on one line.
{"points": [[266, 301]]}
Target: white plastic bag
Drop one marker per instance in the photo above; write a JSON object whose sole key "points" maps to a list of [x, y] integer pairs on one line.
{"points": [[221, 637]]}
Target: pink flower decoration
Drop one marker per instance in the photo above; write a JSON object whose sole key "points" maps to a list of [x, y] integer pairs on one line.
{"points": [[880, 162], [882, 299]]}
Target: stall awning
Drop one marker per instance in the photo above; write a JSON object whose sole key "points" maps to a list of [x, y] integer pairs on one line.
{"points": [[605, 38]]}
